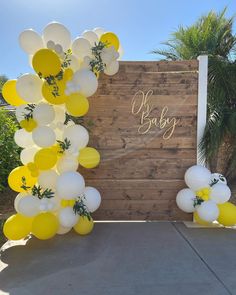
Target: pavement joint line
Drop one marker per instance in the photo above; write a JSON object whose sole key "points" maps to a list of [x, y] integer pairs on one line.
{"points": [[201, 258]]}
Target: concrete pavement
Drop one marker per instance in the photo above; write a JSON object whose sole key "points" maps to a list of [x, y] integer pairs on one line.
{"points": [[151, 258]]}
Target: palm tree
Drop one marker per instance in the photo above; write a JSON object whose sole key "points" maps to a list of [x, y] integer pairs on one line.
{"points": [[212, 35]]}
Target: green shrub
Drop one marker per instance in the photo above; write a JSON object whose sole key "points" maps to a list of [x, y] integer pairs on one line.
{"points": [[9, 157]]}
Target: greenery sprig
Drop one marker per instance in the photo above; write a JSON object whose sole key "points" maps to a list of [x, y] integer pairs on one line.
{"points": [[30, 108], [197, 201], [67, 60], [97, 65], [79, 120], [40, 193], [80, 209], [24, 184], [64, 145]]}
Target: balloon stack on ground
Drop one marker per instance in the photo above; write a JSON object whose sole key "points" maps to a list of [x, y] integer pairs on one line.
{"points": [[207, 197], [52, 196]]}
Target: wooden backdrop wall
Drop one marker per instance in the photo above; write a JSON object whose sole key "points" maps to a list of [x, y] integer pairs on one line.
{"points": [[140, 174]]}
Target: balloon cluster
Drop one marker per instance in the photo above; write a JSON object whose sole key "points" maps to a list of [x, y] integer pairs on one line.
{"points": [[207, 197], [52, 195]]}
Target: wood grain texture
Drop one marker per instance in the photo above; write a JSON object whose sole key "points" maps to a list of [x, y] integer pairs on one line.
{"points": [[140, 174]]}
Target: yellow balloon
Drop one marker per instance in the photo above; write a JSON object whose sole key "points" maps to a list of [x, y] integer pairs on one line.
{"points": [[198, 220], [10, 94], [45, 158], [89, 157], [17, 227], [15, 178], [45, 226], [227, 215], [77, 105], [55, 96], [84, 226], [110, 39], [29, 125], [68, 74], [46, 63]]}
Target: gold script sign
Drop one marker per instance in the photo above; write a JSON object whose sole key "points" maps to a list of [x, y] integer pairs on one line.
{"points": [[142, 105]]}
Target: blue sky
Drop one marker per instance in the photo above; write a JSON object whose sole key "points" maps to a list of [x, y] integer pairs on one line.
{"points": [[140, 24]]}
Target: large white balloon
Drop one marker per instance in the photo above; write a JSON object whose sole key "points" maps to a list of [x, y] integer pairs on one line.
{"points": [[23, 138], [112, 68], [197, 177], [57, 33], [43, 114], [220, 193], [67, 163], [81, 47], [87, 81], [77, 135], [91, 37], [74, 63], [67, 217], [70, 185], [27, 154], [121, 52], [44, 136], [28, 205], [208, 211], [185, 200], [29, 87], [18, 198], [60, 114], [48, 179], [63, 230], [30, 41], [92, 198]]}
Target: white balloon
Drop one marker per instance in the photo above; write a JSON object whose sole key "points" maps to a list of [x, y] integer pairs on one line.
{"points": [[28, 206], [112, 68], [43, 114], [48, 179], [70, 185], [63, 230], [87, 81], [185, 200], [91, 37], [81, 47], [67, 163], [18, 198], [74, 63], [60, 114], [23, 138], [47, 204], [43, 136], [121, 52], [29, 87], [208, 211], [220, 193], [218, 178], [77, 135], [197, 177], [57, 33], [92, 198], [21, 112], [30, 41], [27, 154], [67, 217], [99, 31]]}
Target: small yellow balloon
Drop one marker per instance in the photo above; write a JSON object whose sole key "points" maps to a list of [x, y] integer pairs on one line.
{"points": [[45, 158], [29, 125], [68, 74], [10, 94], [110, 39], [198, 220], [45, 226], [77, 105], [84, 226], [17, 227], [89, 157], [46, 63], [16, 176], [227, 215], [55, 94]]}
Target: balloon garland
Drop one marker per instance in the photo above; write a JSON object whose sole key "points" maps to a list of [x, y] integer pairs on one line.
{"points": [[52, 196], [207, 197]]}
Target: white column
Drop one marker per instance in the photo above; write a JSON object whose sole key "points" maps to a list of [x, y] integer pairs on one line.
{"points": [[202, 101]]}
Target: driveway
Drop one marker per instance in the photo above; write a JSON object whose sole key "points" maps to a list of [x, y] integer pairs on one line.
{"points": [[136, 258]]}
